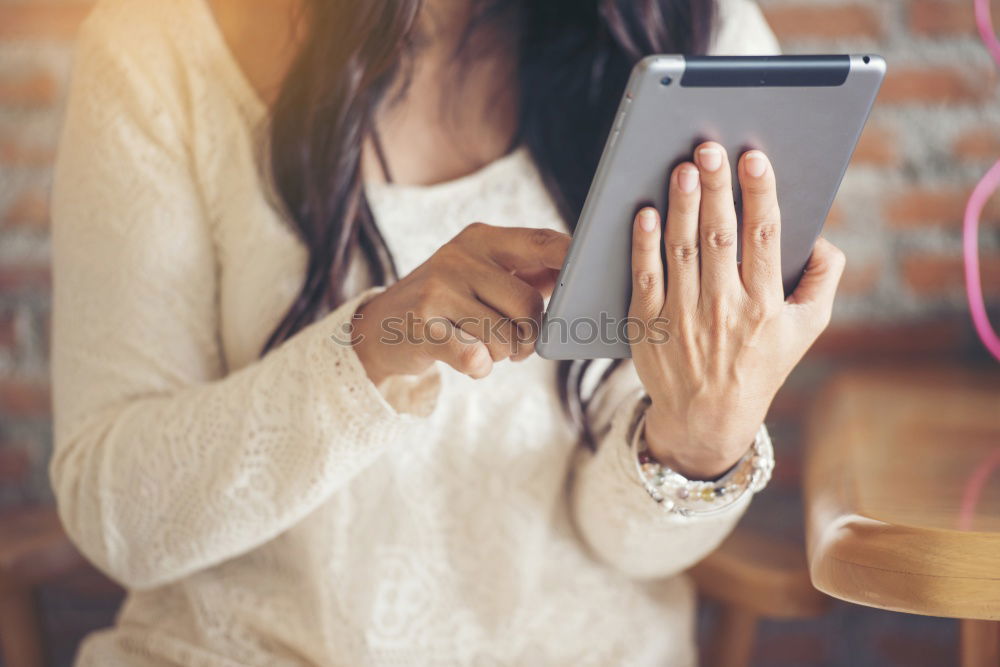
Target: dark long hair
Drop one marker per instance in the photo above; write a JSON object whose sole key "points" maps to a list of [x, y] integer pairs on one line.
{"points": [[574, 58]]}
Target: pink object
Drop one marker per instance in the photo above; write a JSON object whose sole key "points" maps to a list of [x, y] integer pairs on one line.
{"points": [[985, 24], [973, 210], [970, 242], [973, 285], [974, 488]]}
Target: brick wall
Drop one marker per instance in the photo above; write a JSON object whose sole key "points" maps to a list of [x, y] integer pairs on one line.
{"points": [[35, 57], [935, 130]]}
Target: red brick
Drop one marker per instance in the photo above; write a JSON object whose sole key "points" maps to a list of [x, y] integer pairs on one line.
{"points": [[936, 85], [15, 462], [978, 144], [13, 151], [34, 89], [920, 207], [41, 20], [25, 276], [827, 21], [21, 397], [877, 147], [944, 17], [945, 274], [31, 209]]}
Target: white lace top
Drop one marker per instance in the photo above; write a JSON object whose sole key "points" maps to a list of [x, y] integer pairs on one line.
{"points": [[283, 510]]}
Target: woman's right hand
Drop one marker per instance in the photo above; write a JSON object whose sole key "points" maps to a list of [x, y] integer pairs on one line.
{"points": [[475, 301]]}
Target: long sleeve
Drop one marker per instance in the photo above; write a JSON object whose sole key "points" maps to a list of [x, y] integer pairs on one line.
{"points": [[164, 464], [614, 514]]}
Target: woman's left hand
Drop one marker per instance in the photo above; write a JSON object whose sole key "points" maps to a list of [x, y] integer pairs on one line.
{"points": [[734, 338]]}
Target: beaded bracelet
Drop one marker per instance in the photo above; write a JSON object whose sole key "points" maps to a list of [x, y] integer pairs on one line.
{"points": [[680, 495]]}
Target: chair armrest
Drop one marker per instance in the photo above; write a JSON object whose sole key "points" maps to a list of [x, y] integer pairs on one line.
{"points": [[766, 576]]}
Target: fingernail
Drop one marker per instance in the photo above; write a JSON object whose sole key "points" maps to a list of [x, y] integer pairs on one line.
{"points": [[709, 158], [687, 179], [647, 219], [756, 163]]}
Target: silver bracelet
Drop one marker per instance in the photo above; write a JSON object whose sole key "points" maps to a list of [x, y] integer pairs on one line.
{"points": [[680, 495]]}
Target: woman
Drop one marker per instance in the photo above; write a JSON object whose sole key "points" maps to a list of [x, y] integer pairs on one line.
{"points": [[278, 483]]}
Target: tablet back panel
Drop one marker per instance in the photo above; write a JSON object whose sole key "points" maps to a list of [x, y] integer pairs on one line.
{"points": [[805, 112]]}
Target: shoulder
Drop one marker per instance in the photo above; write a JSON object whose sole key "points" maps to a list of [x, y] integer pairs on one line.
{"points": [[141, 56], [140, 25], [741, 29], [147, 40]]}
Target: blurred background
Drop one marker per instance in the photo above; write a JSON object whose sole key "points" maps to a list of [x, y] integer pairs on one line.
{"points": [[935, 130]]}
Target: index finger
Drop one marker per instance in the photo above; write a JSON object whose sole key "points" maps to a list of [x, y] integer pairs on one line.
{"points": [[525, 248]]}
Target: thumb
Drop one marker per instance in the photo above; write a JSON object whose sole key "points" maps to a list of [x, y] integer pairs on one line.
{"points": [[821, 278]]}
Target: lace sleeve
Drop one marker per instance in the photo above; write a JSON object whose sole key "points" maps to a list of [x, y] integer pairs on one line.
{"points": [[617, 519], [163, 465]]}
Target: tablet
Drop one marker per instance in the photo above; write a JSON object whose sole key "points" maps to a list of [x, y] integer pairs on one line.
{"points": [[805, 112]]}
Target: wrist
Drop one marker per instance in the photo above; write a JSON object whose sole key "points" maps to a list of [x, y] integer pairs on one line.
{"points": [[677, 494], [365, 346], [673, 446]]}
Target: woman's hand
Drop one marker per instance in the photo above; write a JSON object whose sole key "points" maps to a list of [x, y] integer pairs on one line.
{"points": [[477, 300], [733, 336]]}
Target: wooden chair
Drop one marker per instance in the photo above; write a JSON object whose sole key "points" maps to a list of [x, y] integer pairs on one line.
{"points": [[35, 551], [750, 577], [902, 499]]}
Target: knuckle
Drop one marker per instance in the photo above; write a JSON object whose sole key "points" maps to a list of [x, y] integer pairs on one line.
{"points": [[682, 252], [541, 237], [760, 311], [645, 280], [681, 209], [716, 184], [451, 251], [430, 291], [719, 315], [765, 232], [643, 243], [471, 231], [720, 239], [434, 330], [475, 227], [761, 188]]}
